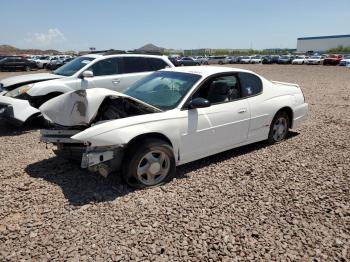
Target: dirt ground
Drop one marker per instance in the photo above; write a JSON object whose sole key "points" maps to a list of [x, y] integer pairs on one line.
{"points": [[289, 201]]}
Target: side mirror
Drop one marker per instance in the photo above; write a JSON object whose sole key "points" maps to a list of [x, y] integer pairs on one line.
{"points": [[87, 74], [198, 102]]}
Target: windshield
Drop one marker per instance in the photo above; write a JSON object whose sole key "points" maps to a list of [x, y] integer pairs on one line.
{"points": [[315, 57], [73, 66], [163, 89]]}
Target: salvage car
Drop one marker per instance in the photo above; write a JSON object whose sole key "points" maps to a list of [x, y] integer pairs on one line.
{"points": [[112, 71], [54, 64], [345, 61], [188, 61], [245, 59], [285, 59], [270, 59], [299, 60], [215, 60], [257, 59], [169, 118], [332, 60], [14, 63], [315, 60]]}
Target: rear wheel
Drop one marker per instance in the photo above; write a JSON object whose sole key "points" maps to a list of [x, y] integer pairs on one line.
{"points": [[279, 127], [148, 164]]}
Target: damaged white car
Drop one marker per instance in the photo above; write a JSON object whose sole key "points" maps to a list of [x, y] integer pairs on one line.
{"points": [[115, 71], [169, 118]]}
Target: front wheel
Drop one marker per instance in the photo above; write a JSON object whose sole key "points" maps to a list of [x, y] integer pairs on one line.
{"points": [[148, 164], [279, 127]]}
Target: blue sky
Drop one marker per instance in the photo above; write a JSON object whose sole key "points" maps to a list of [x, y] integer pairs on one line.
{"points": [[183, 24]]}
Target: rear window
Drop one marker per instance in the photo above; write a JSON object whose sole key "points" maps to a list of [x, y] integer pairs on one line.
{"points": [[136, 65], [157, 64], [251, 84]]}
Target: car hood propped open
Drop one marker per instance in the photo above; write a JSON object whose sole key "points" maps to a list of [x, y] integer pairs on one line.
{"points": [[79, 108]]}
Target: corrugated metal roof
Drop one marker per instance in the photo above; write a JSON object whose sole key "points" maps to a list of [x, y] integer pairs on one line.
{"points": [[324, 37]]}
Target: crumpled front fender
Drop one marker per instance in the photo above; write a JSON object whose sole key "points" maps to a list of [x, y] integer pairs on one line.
{"points": [[16, 110]]}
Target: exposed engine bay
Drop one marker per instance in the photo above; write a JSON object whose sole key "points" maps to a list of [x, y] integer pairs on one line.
{"points": [[119, 107], [84, 108]]}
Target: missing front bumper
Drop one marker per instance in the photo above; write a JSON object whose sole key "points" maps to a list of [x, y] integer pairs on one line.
{"points": [[102, 160]]}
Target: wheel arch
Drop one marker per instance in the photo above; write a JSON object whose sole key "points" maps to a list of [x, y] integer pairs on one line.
{"points": [[289, 112], [144, 136]]}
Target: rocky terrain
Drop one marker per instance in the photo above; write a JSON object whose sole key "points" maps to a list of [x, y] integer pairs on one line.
{"points": [[289, 201]]}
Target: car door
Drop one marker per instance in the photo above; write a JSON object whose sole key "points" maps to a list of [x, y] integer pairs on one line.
{"points": [[105, 74], [133, 69], [10, 63], [20, 63], [260, 114], [222, 125]]}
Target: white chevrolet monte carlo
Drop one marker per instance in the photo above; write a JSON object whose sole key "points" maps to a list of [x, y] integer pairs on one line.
{"points": [[169, 118]]}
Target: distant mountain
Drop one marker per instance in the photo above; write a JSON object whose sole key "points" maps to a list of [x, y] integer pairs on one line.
{"points": [[11, 50], [151, 48]]}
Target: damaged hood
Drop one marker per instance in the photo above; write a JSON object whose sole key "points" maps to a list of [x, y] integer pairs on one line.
{"points": [[26, 79], [79, 108]]}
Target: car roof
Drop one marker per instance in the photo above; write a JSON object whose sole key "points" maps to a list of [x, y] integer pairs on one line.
{"points": [[123, 55], [205, 70]]}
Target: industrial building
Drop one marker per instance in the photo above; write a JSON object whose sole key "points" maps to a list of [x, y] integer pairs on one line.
{"points": [[322, 43]]}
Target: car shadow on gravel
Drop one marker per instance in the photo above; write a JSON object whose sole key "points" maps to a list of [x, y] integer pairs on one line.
{"points": [[182, 171], [7, 129], [81, 187]]}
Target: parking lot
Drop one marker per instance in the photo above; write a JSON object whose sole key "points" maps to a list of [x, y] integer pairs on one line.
{"points": [[286, 201]]}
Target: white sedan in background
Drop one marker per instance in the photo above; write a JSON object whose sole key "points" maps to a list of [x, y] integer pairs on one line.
{"points": [[245, 59], [315, 60], [169, 118], [299, 60], [256, 59]]}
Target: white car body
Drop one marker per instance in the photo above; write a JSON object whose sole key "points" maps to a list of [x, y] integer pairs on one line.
{"points": [[193, 133], [245, 59], [215, 60], [315, 60], [299, 60], [64, 84], [256, 60], [345, 61], [42, 61]]}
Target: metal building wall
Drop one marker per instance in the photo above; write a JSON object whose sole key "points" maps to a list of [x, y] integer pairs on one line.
{"points": [[322, 43]]}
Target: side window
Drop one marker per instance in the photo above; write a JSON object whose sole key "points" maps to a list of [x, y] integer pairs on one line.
{"points": [[109, 66], [136, 65], [157, 64], [220, 89], [251, 84]]}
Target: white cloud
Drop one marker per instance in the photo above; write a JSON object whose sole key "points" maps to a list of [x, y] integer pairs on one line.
{"points": [[49, 39]]}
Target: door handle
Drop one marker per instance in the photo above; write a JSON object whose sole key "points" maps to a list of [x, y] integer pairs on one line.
{"points": [[116, 81], [242, 110]]}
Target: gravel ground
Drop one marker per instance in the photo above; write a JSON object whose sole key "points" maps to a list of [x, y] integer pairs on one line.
{"points": [[287, 202]]}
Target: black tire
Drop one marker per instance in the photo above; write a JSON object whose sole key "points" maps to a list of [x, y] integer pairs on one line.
{"points": [[136, 159], [276, 136], [220, 63], [27, 68]]}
